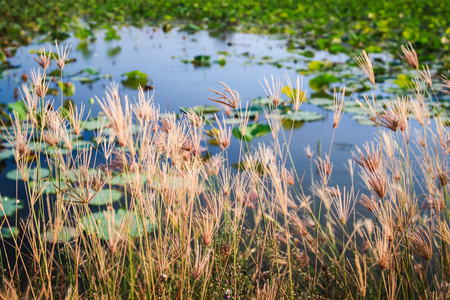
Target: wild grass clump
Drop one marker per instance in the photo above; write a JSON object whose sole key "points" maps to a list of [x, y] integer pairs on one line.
{"points": [[189, 226]]}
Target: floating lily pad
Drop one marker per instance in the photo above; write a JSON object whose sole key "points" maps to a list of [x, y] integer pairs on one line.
{"points": [[320, 101], [114, 51], [122, 222], [6, 154], [8, 206], [135, 79], [201, 61], [14, 174], [7, 233], [202, 109], [19, 108], [104, 197], [303, 116], [252, 131], [65, 235], [91, 71], [68, 88], [322, 82], [403, 81]]}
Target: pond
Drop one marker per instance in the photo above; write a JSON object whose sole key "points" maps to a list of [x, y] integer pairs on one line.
{"points": [[240, 60], [182, 69]]}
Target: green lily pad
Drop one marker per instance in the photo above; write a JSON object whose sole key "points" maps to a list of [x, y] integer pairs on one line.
{"points": [[114, 51], [373, 49], [252, 131], [65, 235], [19, 108], [322, 82], [201, 61], [6, 233], [320, 101], [14, 174], [316, 65], [91, 71], [9, 232], [8, 206], [202, 109], [6, 154], [303, 116], [403, 81], [104, 197], [68, 88], [125, 223], [135, 79]]}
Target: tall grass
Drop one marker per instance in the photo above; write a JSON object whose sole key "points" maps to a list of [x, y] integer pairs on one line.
{"points": [[190, 227]]}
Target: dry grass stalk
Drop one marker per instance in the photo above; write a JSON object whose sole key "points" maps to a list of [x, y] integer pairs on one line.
{"points": [[373, 159], [40, 85], [44, 60], [222, 135], [421, 243], [231, 101], [338, 107], [365, 64], [410, 56], [343, 204], [201, 260], [273, 90], [297, 95], [62, 55]]}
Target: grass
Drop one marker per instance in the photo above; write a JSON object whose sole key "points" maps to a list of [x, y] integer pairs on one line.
{"points": [[189, 227]]}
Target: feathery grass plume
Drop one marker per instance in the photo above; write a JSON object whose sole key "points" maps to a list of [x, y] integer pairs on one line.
{"points": [[381, 249], [444, 232], [195, 119], [421, 243], [30, 100], [325, 167], [343, 204], [206, 225], [410, 56], [119, 116], [62, 55], [214, 165], [338, 106], [309, 153], [395, 116], [392, 286], [288, 176], [274, 91], [297, 95], [426, 75], [76, 117], [420, 111], [144, 109], [418, 92], [365, 64], [21, 137], [377, 180], [40, 85], [298, 224], [231, 101], [201, 260], [370, 203], [371, 108], [443, 292], [373, 159], [244, 118], [360, 275], [222, 135], [43, 61], [445, 85]]}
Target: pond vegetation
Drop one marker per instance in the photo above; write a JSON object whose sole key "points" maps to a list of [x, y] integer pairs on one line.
{"points": [[209, 200]]}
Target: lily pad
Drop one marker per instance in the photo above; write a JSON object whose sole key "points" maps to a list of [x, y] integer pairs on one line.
{"points": [[252, 131], [6, 154], [322, 82], [65, 235], [8, 206], [9, 232], [68, 88], [114, 51], [202, 109], [14, 174], [104, 197], [135, 79], [118, 222], [303, 116], [201, 61], [91, 71], [403, 81], [19, 108]]}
